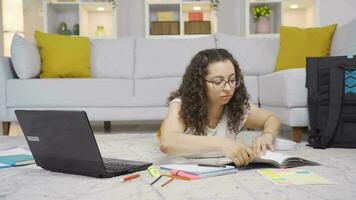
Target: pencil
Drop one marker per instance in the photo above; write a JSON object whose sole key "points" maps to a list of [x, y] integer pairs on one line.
{"points": [[130, 177], [170, 180], [156, 180], [211, 165], [177, 177]]}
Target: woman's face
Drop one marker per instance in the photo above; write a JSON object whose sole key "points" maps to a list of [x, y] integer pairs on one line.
{"points": [[221, 82]]}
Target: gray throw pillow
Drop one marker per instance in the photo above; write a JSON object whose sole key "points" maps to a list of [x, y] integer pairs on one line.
{"points": [[25, 58]]}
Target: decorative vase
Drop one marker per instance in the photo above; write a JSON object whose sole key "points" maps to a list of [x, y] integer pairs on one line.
{"points": [[63, 29], [76, 29], [262, 25], [100, 31]]}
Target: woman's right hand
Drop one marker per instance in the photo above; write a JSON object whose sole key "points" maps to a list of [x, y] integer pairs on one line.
{"points": [[238, 152]]}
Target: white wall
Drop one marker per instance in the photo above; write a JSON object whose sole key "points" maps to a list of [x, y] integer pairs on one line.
{"points": [[231, 17], [336, 11], [1, 33], [32, 13], [131, 18]]}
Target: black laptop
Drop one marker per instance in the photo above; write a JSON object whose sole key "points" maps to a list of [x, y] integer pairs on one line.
{"points": [[63, 141]]}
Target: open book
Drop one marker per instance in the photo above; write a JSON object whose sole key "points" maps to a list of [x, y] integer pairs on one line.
{"points": [[278, 160]]}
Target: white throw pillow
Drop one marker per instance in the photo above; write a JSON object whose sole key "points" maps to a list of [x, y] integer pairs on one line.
{"points": [[25, 58]]}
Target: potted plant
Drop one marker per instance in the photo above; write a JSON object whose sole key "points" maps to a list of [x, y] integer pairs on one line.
{"points": [[261, 14]]}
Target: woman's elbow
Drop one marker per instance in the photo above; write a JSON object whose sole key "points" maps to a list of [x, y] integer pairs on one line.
{"points": [[165, 146]]}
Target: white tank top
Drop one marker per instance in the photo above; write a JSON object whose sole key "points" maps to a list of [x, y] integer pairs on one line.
{"points": [[220, 130]]}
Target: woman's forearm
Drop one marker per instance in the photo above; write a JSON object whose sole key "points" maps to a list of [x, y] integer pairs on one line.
{"points": [[183, 144], [272, 126]]}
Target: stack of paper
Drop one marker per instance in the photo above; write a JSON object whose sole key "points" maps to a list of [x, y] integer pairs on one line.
{"points": [[16, 156], [193, 171]]}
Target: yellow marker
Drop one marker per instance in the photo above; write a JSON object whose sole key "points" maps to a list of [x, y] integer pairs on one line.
{"points": [[153, 172]]}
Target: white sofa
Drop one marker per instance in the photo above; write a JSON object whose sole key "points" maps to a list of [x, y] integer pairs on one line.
{"points": [[132, 78]]}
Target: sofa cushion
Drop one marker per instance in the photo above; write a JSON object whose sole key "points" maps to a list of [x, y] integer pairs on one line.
{"points": [[167, 57], [69, 92], [344, 42], [25, 58], [159, 90], [155, 91], [296, 44], [63, 56], [112, 58], [256, 56], [293, 117], [251, 83], [284, 89]]}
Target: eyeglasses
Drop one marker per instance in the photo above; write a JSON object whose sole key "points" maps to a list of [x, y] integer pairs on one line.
{"points": [[220, 85]]}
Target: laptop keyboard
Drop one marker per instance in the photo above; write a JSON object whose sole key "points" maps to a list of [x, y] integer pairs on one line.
{"points": [[115, 165]]}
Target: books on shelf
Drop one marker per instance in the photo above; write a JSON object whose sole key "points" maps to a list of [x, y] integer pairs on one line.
{"points": [[165, 28], [194, 171], [195, 16], [197, 27], [165, 16]]}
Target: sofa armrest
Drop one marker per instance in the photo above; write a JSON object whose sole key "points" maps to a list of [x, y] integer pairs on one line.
{"points": [[283, 89], [6, 72]]}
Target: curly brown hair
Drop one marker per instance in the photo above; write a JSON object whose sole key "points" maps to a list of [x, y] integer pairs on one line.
{"points": [[193, 93]]}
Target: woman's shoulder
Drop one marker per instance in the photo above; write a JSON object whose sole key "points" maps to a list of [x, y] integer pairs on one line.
{"points": [[176, 100]]}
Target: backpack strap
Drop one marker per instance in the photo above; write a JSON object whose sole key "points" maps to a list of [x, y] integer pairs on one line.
{"points": [[335, 103]]}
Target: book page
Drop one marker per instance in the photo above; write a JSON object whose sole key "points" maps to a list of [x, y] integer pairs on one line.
{"points": [[277, 157]]}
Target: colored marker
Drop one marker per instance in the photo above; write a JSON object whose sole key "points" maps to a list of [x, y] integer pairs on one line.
{"points": [[130, 177]]}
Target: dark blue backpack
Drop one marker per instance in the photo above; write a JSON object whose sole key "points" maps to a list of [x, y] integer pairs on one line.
{"points": [[331, 84]]}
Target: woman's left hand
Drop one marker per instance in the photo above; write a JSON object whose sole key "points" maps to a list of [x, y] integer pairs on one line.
{"points": [[261, 143]]}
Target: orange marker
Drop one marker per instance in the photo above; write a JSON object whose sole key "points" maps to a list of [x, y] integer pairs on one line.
{"points": [[130, 177]]}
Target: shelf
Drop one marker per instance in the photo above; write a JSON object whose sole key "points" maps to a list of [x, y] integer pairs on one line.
{"points": [[89, 14], [274, 20], [189, 17], [57, 13], [92, 19], [303, 17], [282, 14], [63, 1]]}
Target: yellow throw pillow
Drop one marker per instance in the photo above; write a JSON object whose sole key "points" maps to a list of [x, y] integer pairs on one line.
{"points": [[63, 56], [296, 44]]}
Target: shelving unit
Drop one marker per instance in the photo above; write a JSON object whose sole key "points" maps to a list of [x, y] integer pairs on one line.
{"points": [[305, 15], [275, 18], [89, 14], [179, 18]]}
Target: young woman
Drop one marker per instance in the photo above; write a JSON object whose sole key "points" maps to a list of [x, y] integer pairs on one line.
{"points": [[209, 109]]}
